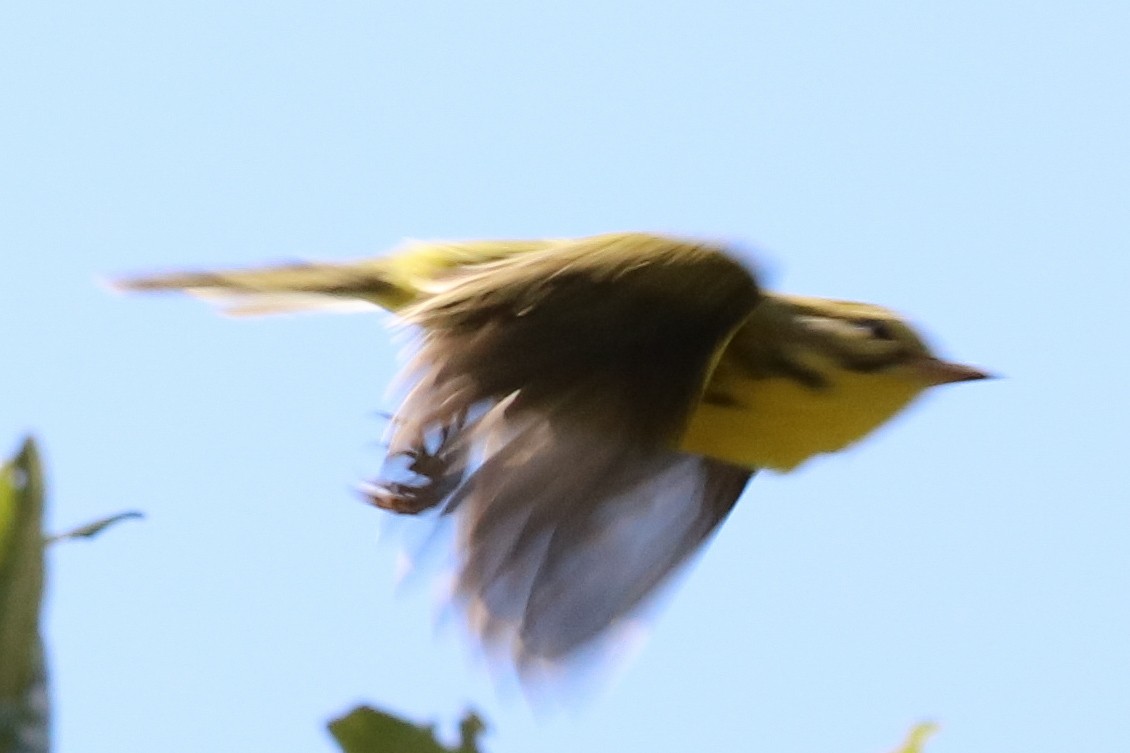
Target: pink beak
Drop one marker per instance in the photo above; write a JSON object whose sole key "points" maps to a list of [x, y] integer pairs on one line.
{"points": [[935, 371]]}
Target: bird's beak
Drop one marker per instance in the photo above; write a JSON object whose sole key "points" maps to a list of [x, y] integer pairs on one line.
{"points": [[935, 371]]}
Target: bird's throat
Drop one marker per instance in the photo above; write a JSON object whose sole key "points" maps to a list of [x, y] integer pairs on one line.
{"points": [[779, 423]]}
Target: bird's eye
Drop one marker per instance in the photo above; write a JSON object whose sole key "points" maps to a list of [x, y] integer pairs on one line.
{"points": [[877, 328]]}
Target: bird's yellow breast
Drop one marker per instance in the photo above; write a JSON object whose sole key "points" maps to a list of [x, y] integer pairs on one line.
{"points": [[778, 423]]}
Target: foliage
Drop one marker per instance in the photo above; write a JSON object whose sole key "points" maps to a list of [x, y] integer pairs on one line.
{"points": [[24, 702], [917, 738], [24, 710], [367, 730]]}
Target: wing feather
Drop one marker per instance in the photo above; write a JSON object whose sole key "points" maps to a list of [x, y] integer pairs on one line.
{"points": [[551, 389]]}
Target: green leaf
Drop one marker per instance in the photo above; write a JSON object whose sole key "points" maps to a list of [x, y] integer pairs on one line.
{"points": [[90, 530], [366, 730], [917, 738], [24, 710]]}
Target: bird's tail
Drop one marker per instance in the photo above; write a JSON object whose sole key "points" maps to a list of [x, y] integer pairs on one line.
{"points": [[287, 288], [391, 282]]}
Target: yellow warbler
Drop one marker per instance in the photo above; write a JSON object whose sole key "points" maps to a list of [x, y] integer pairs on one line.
{"points": [[591, 409]]}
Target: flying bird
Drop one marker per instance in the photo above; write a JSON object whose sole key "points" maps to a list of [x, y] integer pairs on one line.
{"points": [[591, 409]]}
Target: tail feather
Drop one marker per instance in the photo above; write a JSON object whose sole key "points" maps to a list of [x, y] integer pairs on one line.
{"points": [[391, 282], [292, 287]]}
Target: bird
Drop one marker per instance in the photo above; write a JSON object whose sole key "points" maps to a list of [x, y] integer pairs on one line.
{"points": [[589, 410]]}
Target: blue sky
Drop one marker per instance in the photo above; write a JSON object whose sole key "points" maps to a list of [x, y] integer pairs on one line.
{"points": [[966, 163]]}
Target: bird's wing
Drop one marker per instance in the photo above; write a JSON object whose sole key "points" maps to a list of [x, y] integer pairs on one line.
{"points": [[564, 531], [550, 392]]}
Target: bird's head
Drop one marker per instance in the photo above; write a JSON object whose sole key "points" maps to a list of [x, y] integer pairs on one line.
{"points": [[814, 339], [805, 376]]}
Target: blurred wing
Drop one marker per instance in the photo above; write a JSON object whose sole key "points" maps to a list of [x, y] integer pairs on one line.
{"points": [[551, 389], [563, 534]]}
